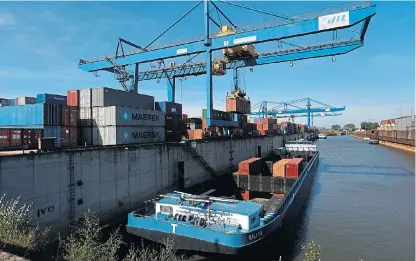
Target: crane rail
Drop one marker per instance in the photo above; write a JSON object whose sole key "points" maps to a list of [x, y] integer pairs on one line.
{"points": [[252, 27]]}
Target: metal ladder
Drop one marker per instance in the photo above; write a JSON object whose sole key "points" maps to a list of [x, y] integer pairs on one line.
{"points": [[71, 186], [195, 155], [123, 75]]}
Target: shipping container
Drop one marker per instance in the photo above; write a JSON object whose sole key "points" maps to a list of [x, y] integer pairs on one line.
{"points": [[169, 108], [70, 116], [25, 100], [238, 105], [85, 98], [112, 135], [30, 137], [112, 97], [51, 99], [15, 138], [85, 117], [279, 168], [251, 166], [174, 135], [185, 118], [194, 126], [195, 134], [85, 138], [294, 167], [53, 131], [32, 116], [174, 122], [195, 120], [404, 123], [69, 136], [218, 115], [72, 98], [125, 116], [4, 138]]}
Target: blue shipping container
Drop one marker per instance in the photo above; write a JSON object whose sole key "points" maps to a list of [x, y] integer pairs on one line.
{"points": [[54, 131], [51, 99], [9, 102], [31, 115], [169, 108]]}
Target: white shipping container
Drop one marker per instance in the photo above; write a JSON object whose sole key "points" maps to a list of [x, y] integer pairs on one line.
{"points": [[85, 97], [403, 123], [85, 117], [111, 135], [125, 116]]}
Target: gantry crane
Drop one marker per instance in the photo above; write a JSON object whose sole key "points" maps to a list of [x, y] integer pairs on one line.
{"points": [[263, 109], [231, 38]]}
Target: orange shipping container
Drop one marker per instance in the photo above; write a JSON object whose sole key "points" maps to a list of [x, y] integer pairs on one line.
{"points": [[72, 98], [279, 168], [238, 105], [195, 134], [267, 126]]}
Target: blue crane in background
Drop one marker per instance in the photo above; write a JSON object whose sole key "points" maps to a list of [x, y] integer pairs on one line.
{"points": [[263, 109], [125, 65]]}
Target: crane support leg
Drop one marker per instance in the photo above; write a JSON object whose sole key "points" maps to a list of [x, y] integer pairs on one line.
{"points": [[136, 79], [209, 86], [171, 89]]}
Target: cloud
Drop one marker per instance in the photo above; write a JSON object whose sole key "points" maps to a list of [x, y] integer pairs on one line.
{"points": [[7, 19]]}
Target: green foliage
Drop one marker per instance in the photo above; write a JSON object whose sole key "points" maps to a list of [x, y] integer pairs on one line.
{"points": [[335, 127], [312, 251], [154, 254], [369, 125], [350, 127], [19, 228], [85, 242]]}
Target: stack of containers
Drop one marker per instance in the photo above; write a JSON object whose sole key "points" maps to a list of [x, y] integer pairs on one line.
{"points": [[24, 123], [113, 117], [175, 126]]}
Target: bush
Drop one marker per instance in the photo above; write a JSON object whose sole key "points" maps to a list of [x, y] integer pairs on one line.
{"points": [[18, 228], [85, 242], [153, 254], [312, 251]]}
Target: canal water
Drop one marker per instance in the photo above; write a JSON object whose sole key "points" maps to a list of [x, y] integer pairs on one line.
{"points": [[363, 202], [362, 206]]}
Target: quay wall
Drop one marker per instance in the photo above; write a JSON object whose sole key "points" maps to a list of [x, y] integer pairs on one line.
{"points": [[113, 181]]}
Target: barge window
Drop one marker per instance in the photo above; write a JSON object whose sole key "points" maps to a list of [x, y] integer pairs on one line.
{"points": [[166, 209]]}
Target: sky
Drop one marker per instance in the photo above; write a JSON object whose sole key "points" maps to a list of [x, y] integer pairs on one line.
{"points": [[42, 43]]}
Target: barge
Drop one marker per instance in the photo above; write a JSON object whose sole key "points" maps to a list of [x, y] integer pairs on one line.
{"points": [[222, 225]]}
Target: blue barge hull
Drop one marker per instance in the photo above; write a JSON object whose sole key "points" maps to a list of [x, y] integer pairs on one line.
{"points": [[202, 239]]}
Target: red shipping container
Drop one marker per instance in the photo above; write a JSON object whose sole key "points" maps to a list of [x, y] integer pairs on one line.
{"points": [[251, 166], [73, 116], [4, 138], [294, 167], [73, 98], [30, 138], [65, 116]]}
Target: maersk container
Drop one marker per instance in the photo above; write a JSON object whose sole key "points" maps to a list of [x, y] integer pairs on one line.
{"points": [[125, 116], [33, 115], [111, 97], [25, 100], [85, 117], [85, 98], [53, 131], [169, 108], [51, 99], [111, 135]]}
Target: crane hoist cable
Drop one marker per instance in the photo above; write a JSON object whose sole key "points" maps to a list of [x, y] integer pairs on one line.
{"points": [[223, 15], [257, 10], [170, 27]]}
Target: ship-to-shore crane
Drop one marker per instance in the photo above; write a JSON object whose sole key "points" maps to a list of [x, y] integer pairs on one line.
{"points": [[263, 109], [232, 37]]}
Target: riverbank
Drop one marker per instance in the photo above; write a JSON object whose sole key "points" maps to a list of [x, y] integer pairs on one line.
{"points": [[388, 143]]}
